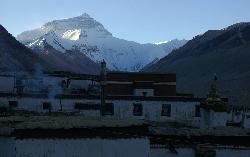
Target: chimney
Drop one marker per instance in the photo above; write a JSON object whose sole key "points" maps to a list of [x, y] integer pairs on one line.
{"points": [[103, 73], [103, 79]]}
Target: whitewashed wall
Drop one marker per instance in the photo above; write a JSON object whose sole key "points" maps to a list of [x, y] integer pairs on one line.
{"points": [[236, 152], [189, 152], [134, 147], [237, 116], [162, 152], [152, 110], [80, 84], [180, 111], [6, 84], [51, 81], [209, 118], [7, 147], [138, 147], [247, 120]]}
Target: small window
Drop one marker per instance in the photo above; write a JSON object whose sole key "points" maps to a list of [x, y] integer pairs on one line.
{"points": [[197, 111], [144, 93], [166, 110], [86, 106], [107, 109], [137, 111], [47, 106], [13, 104]]}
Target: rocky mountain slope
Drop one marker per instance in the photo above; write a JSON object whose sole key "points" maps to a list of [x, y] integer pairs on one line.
{"points": [[84, 34], [225, 53], [15, 57]]}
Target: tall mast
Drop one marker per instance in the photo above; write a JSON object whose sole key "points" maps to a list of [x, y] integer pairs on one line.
{"points": [[103, 78]]}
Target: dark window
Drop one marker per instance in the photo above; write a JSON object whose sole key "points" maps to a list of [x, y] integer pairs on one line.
{"points": [[108, 109], [13, 104], [197, 111], [137, 111], [19, 82], [166, 110], [144, 93], [86, 106], [47, 106], [3, 109]]}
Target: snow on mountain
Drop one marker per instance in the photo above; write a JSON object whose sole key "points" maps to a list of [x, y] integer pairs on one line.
{"points": [[86, 35], [168, 46], [161, 42]]}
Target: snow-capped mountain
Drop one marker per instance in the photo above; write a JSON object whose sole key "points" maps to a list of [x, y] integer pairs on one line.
{"points": [[86, 35], [15, 57]]}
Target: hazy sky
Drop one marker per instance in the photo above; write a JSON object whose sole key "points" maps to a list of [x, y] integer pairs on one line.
{"points": [[144, 21]]}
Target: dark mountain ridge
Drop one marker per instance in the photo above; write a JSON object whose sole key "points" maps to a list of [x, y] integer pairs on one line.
{"points": [[15, 57], [225, 53]]}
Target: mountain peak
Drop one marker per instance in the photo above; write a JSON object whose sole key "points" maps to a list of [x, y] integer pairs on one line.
{"points": [[82, 26], [86, 35], [239, 25], [85, 15]]}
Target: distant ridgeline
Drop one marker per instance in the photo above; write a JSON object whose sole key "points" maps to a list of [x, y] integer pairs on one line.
{"points": [[223, 52]]}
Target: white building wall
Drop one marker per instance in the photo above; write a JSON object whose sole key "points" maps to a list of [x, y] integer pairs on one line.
{"points": [[7, 147], [209, 118], [189, 152], [123, 109], [97, 147], [74, 84], [7, 84], [138, 147], [83, 84], [237, 116], [152, 110], [220, 119], [247, 120], [163, 152], [52, 81], [233, 152]]}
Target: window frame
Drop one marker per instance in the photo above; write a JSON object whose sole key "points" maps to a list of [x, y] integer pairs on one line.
{"points": [[140, 108], [13, 104], [168, 112], [47, 105], [197, 111], [107, 109]]}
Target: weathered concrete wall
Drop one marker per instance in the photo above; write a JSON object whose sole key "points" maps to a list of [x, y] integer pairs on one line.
{"points": [[7, 147], [189, 152], [162, 152], [180, 111], [6, 84], [209, 118], [82, 148]]}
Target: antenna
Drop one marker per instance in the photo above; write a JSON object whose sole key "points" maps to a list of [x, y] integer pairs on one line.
{"points": [[103, 78]]}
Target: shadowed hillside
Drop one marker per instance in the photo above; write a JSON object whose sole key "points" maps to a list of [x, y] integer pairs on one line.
{"points": [[225, 53]]}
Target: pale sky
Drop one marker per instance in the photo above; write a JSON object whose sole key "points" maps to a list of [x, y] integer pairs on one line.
{"points": [[143, 21]]}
